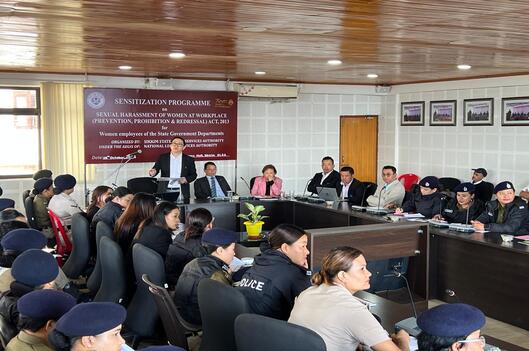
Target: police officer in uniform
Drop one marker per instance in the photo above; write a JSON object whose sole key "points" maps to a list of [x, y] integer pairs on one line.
{"points": [[451, 327], [220, 245], [279, 274], [427, 202], [464, 208], [507, 214], [39, 310]]}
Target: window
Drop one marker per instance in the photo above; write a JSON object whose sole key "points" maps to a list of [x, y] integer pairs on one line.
{"points": [[20, 132]]}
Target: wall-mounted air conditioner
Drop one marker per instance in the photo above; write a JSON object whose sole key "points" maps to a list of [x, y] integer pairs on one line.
{"points": [[269, 91]]}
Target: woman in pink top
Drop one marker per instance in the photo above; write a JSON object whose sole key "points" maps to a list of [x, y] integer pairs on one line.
{"points": [[268, 184]]}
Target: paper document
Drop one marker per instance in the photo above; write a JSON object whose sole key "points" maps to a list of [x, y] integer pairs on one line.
{"points": [[413, 215], [522, 237]]}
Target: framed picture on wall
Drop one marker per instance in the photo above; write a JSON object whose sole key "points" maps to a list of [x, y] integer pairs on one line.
{"points": [[515, 111], [478, 112], [443, 113], [412, 113]]}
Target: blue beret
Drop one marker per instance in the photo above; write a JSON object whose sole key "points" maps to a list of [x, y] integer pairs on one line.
{"points": [[91, 318], [43, 173], [47, 304], [455, 319], [429, 182], [6, 203], [65, 181], [162, 348], [42, 184], [465, 187], [503, 186], [220, 237], [23, 239], [34, 267]]}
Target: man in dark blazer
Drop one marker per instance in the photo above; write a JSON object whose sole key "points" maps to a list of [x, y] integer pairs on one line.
{"points": [[329, 178], [176, 164], [354, 189], [204, 186]]}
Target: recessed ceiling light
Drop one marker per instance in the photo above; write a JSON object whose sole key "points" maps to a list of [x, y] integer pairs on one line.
{"points": [[260, 73], [464, 67], [372, 75], [177, 55], [125, 68], [334, 62]]}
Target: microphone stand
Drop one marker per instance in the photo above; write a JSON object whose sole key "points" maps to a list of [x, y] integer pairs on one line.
{"points": [[306, 186], [248, 185], [400, 275], [123, 162], [380, 196], [364, 194], [468, 211]]}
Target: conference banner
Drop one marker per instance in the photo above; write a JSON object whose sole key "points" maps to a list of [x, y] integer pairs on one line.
{"points": [[137, 125]]}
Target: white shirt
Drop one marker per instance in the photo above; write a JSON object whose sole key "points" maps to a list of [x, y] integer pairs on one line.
{"points": [[478, 182], [345, 190], [175, 170], [323, 176], [64, 206]]}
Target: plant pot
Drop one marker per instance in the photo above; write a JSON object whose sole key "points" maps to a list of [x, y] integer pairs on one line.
{"points": [[254, 229]]}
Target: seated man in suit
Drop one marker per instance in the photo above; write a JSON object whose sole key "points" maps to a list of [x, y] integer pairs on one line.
{"points": [[329, 178], [212, 185], [349, 188], [176, 164], [391, 194], [484, 189]]}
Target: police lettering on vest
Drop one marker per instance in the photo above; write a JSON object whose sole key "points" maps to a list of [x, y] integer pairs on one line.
{"points": [[252, 284]]}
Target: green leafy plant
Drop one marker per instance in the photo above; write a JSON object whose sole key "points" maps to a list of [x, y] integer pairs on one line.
{"points": [[254, 215]]}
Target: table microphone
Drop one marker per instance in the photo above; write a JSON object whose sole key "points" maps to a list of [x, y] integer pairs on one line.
{"points": [[400, 275], [132, 154], [245, 182], [364, 194], [306, 186], [380, 196], [468, 211], [408, 324]]}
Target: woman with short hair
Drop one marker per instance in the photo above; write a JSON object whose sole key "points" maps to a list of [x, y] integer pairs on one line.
{"points": [[268, 184], [330, 309]]}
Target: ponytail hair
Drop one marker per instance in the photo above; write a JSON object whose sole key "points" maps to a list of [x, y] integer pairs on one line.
{"points": [[337, 260], [59, 341], [196, 223], [285, 234]]}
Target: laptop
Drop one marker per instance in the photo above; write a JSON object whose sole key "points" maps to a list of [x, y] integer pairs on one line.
{"points": [[327, 194]]}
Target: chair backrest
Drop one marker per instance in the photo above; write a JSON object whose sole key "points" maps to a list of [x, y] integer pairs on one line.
{"points": [[448, 183], [64, 246], [147, 185], [369, 189], [94, 281], [487, 195], [254, 332], [25, 195], [219, 305], [252, 182], [142, 315], [175, 326], [408, 180], [30, 212], [78, 259], [113, 277]]}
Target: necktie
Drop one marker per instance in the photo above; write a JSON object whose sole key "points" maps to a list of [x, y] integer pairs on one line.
{"points": [[213, 187]]}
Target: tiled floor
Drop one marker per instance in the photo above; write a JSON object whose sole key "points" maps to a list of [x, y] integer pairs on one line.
{"points": [[500, 330]]}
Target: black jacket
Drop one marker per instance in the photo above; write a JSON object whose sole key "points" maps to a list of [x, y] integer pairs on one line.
{"points": [[453, 214], [188, 171], [186, 298], [108, 214], [355, 192], [515, 220], [203, 188], [332, 181], [428, 205], [180, 253], [155, 238], [8, 304], [484, 191], [272, 284]]}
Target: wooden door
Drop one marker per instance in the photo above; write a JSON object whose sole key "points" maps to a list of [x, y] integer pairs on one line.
{"points": [[359, 145]]}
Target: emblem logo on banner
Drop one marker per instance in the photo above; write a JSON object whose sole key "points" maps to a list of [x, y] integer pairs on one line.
{"points": [[95, 100]]}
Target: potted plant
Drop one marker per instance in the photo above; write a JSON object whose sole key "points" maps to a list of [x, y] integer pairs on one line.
{"points": [[253, 223]]}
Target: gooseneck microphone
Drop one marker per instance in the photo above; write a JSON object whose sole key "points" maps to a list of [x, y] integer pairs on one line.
{"points": [[245, 182], [132, 154], [306, 186], [364, 194], [468, 211], [380, 196], [400, 275]]}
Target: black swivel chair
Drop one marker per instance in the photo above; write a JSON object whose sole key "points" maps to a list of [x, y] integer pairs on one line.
{"points": [[369, 189], [142, 315], [252, 182], [176, 328], [218, 319], [113, 278], [77, 262], [30, 212], [94, 281], [254, 332], [147, 185], [27, 193], [448, 184]]}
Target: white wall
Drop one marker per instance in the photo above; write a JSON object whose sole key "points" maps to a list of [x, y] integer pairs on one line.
{"points": [[453, 151], [292, 135]]}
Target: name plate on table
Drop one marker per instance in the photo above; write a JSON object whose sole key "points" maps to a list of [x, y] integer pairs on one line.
{"points": [[463, 228], [438, 224], [378, 210]]}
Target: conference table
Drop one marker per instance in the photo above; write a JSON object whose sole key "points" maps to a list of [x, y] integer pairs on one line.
{"points": [[479, 268]]}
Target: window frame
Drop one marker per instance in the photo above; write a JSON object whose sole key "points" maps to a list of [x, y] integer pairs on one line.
{"points": [[25, 112]]}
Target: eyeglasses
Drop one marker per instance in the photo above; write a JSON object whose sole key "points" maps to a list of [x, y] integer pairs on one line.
{"points": [[481, 339], [177, 144]]}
